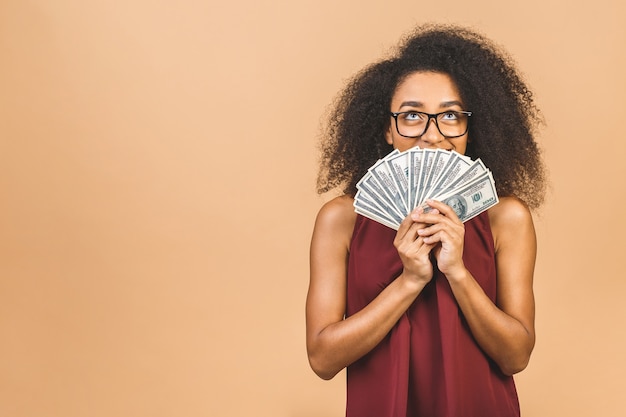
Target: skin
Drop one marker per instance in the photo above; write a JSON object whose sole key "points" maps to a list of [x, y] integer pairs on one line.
{"points": [[504, 330]]}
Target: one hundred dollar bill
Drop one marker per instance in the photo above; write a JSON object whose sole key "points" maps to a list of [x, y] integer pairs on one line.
{"points": [[398, 165], [427, 163], [436, 169], [474, 171], [374, 216], [384, 177], [472, 198], [373, 191], [365, 203], [416, 156], [456, 166]]}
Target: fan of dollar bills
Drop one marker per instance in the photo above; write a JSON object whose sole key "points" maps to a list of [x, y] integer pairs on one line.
{"points": [[402, 181]]}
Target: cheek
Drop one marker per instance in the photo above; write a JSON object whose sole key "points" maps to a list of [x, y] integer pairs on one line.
{"points": [[403, 144], [461, 146]]}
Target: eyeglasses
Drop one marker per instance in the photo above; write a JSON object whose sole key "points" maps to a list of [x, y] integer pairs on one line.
{"points": [[413, 124]]}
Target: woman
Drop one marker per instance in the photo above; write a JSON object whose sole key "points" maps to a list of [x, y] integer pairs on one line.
{"points": [[434, 319]]}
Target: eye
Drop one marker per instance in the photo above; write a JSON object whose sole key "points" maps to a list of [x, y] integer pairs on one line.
{"points": [[413, 116], [449, 115]]}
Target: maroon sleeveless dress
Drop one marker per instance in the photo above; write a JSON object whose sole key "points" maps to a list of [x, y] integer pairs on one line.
{"points": [[429, 364]]}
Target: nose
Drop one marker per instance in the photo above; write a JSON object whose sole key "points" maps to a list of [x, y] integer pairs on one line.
{"points": [[432, 136]]}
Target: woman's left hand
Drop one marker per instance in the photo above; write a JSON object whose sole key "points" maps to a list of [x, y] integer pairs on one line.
{"points": [[447, 229]]}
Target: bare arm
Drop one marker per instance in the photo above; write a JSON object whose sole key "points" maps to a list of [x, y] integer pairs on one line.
{"points": [[504, 330], [332, 341]]}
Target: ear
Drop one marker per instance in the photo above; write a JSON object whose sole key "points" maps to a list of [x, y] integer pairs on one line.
{"points": [[389, 135]]}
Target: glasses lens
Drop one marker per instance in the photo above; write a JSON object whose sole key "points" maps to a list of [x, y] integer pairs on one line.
{"points": [[452, 123], [414, 124]]}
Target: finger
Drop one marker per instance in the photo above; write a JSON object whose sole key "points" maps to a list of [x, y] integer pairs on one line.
{"points": [[423, 248], [441, 236], [418, 248], [407, 234], [413, 232], [445, 235], [430, 230], [443, 208], [418, 213], [429, 217], [404, 227], [409, 222], [432, 239]]}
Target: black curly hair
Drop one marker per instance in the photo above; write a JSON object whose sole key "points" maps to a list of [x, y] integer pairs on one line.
{"points": [[502, 127]]}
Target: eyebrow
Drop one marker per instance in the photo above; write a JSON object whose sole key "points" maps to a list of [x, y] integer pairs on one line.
{"points": [[444, 104]]}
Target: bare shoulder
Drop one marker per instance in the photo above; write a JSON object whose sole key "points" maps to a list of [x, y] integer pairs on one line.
{"points": [[337, 217], [509, 218], [509, 211], [338, 207]]}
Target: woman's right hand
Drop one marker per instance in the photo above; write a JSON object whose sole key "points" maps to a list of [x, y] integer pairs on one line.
{"points": [[414, 253]]}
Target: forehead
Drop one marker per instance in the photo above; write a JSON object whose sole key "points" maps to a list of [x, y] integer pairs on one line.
{"points": [[426, 88]]}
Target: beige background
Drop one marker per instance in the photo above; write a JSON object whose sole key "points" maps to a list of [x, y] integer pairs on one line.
{"points": [[157, 165]]}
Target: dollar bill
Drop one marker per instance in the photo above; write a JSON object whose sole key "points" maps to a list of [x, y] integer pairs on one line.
{"points": [[373, 191], [401, 181], [398, 165], [456, 166], [472, 198], [384, 177], [440, 160], [376, 216], [427, 163], [415, 166], [363, 203], [476, 169]]}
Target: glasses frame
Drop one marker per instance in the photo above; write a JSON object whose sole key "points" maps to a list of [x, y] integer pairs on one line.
{"points": [[434, 117]]}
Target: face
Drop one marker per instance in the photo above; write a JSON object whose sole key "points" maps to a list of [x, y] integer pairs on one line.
{"points": [[457, 206], [428, 92]]}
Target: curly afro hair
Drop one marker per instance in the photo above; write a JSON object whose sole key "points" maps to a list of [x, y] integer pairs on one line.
{"points": [[502, 127]]}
